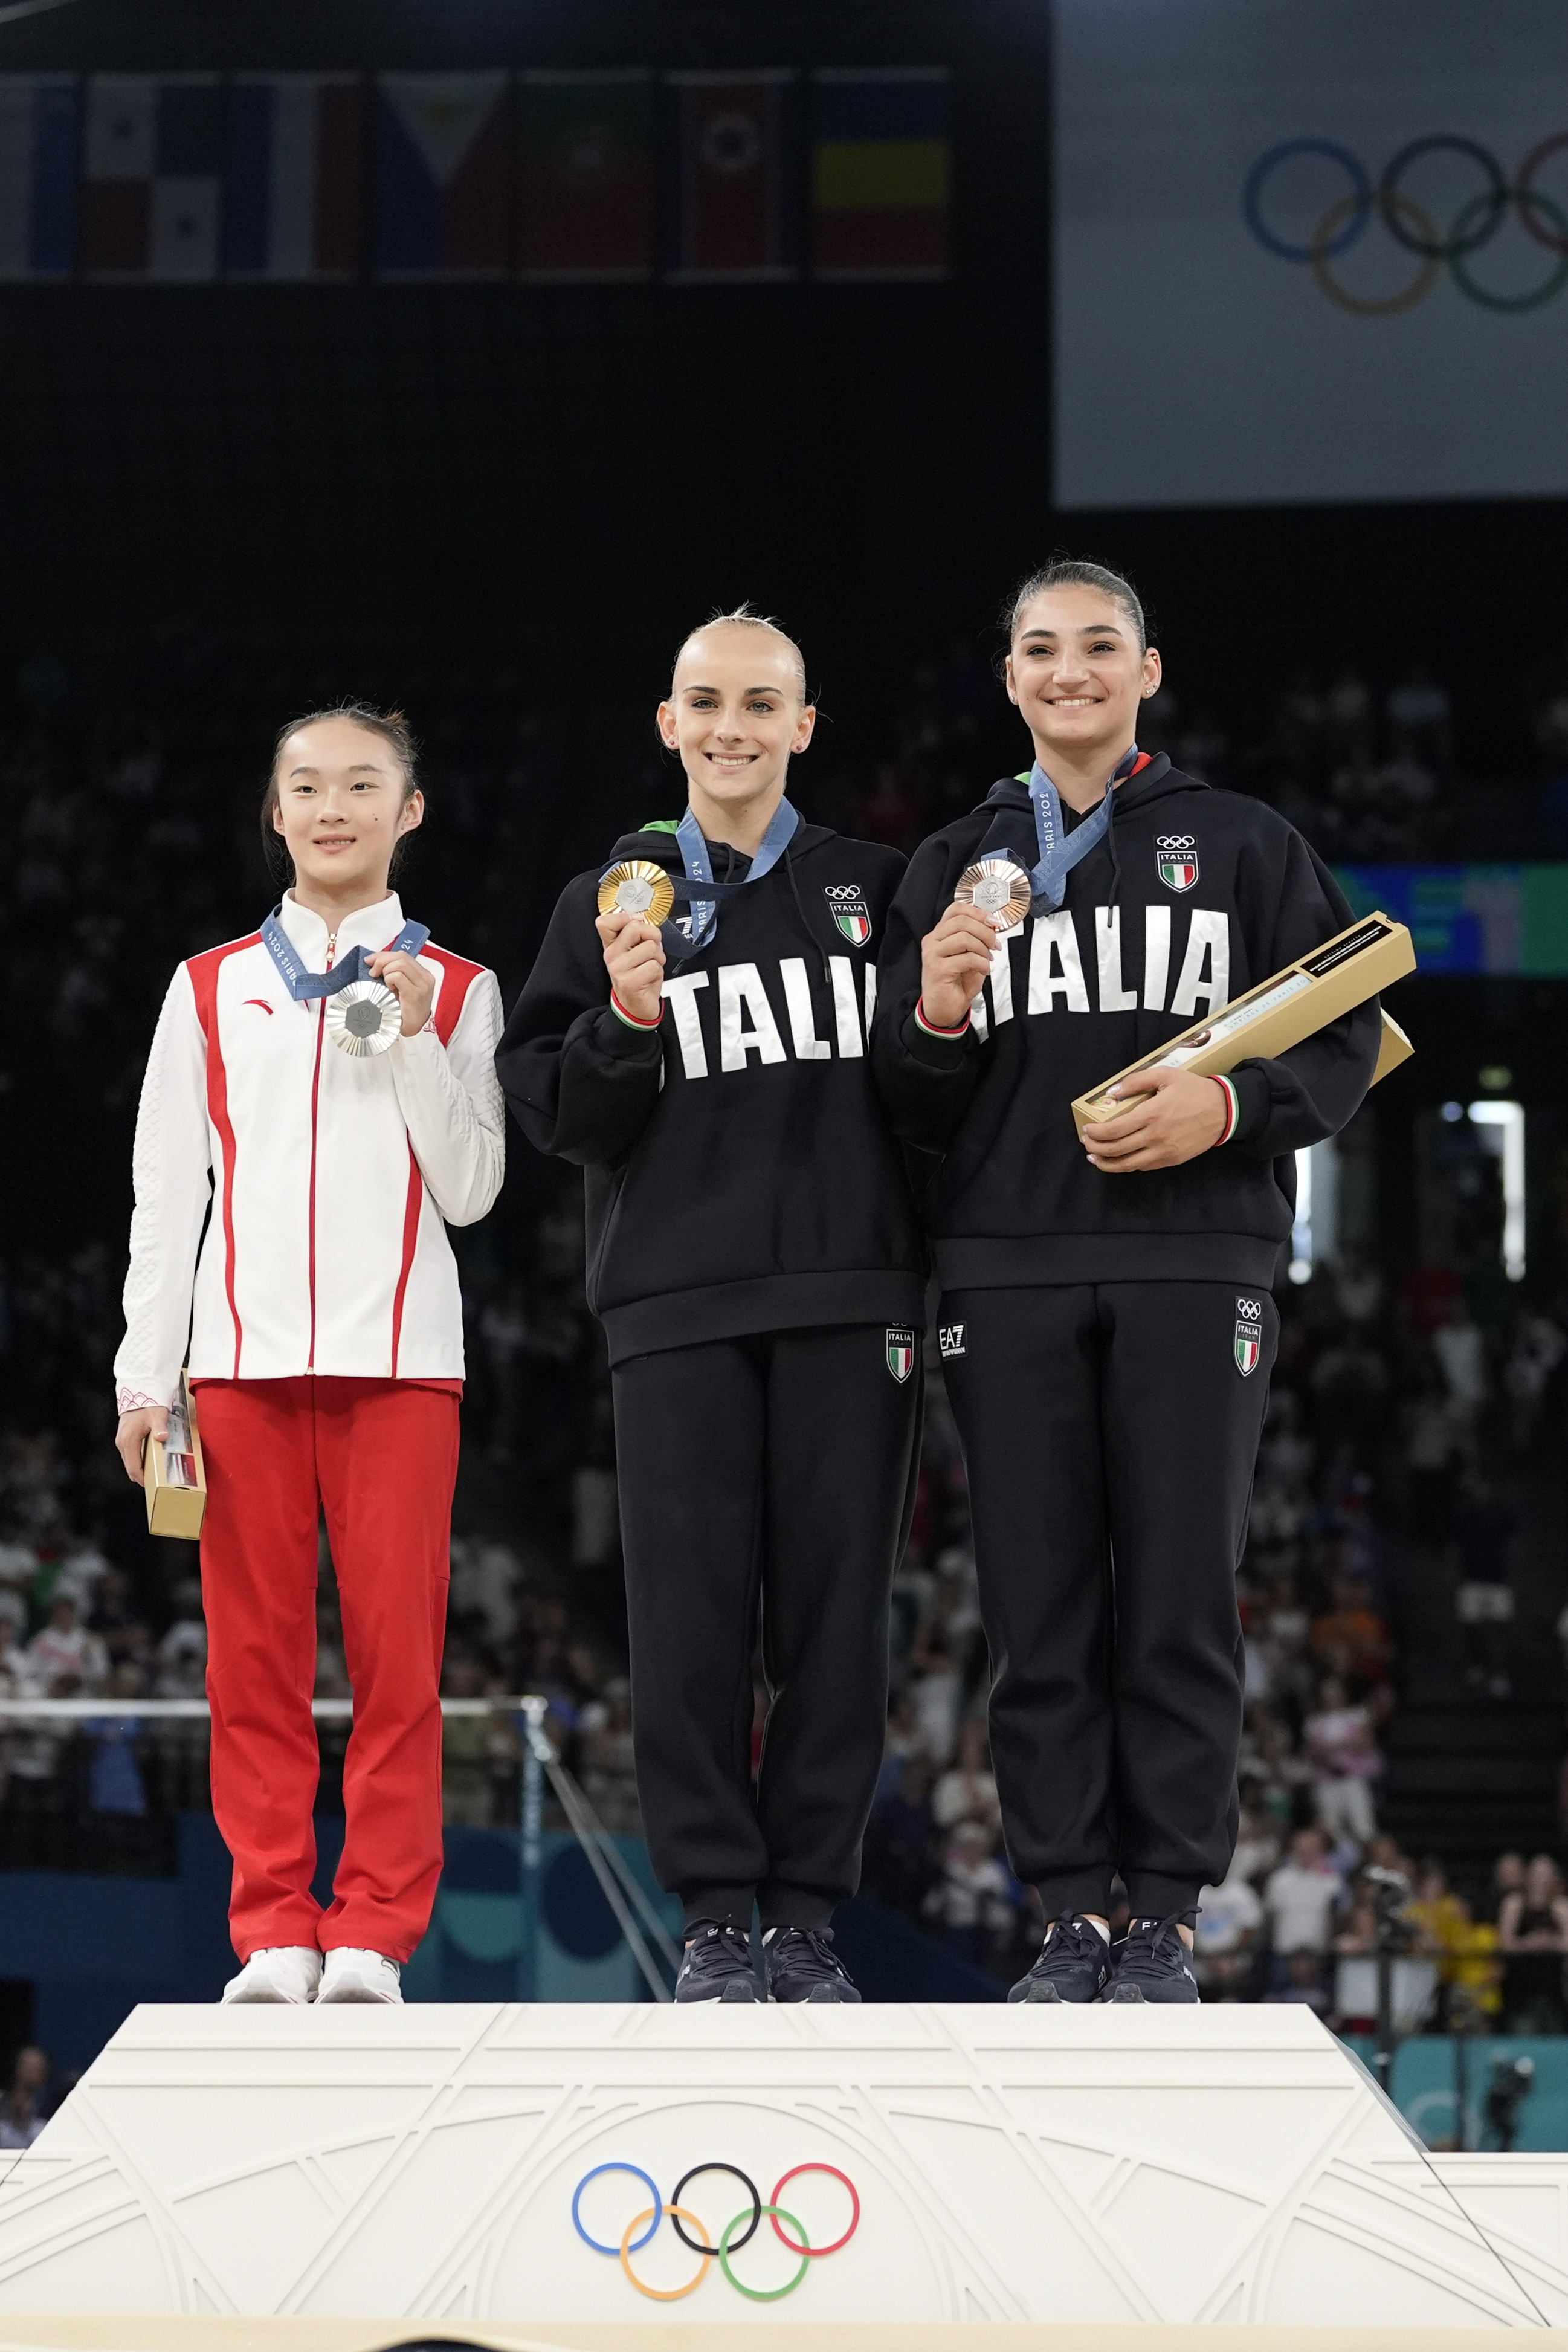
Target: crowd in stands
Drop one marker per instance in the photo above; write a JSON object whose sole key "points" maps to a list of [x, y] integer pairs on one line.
{"points": [[126, 840]]}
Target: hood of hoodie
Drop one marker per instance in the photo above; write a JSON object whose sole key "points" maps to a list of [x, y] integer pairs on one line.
{"points": [[658, 842], [1155, 783]]}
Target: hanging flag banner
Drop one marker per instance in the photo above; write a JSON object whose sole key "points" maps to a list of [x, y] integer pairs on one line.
{"points": [[152, 176], [443, 175], [882, 173], [294, 177], [40, 142], [585, 194], [737, 208]]}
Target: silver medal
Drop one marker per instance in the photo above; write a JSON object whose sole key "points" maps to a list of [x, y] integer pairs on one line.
{"points": [[363, 1018]]}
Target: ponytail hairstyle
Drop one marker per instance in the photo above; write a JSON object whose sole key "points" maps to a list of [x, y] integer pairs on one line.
{"points": [[743, 617], [1066, 571], [389, 725]]}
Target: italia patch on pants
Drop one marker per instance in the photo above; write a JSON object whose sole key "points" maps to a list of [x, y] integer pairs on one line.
{"points": [[1248, 1334], [900, 1353]]}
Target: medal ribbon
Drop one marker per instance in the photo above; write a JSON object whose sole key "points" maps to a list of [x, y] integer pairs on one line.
{"points": [[302, 982], [699, 869], [1060, 851]]}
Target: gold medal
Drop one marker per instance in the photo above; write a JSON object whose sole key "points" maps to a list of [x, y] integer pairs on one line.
{"points": [[995, 889], [638, 887]]}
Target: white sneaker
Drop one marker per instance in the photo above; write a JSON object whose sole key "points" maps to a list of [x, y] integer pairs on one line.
{"points": [[352, 1974], [279, 1972]]}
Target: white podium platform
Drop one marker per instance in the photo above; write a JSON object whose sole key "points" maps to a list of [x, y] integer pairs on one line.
{"points": [[1047, 2165]]}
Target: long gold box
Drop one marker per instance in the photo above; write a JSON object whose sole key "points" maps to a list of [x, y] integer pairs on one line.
{"points": [[176, 1505], [1279, 1013]]}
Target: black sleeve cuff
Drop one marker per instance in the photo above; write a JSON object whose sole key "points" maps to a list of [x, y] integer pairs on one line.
{"points": [[622, 1043], [942, 1053], [1253, 1102]]}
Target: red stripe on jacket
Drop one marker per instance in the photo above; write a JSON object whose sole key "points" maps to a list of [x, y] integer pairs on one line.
{"points": [[457, 976], [204, 970]]}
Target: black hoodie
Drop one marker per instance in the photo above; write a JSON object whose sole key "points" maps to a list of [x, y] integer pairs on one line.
{"points": [[1192, 897], [741, 1176]]}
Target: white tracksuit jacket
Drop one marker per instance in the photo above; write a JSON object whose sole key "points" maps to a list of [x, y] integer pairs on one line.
{"points": [[330, 1179]]}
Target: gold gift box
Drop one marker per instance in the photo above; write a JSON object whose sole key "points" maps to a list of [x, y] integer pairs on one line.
{"points": [[174, 1477], [1276, 1014]]}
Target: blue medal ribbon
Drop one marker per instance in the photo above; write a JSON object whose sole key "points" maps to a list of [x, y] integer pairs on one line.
{"points": [[1060, 851], [302, 983], [699, 869]]}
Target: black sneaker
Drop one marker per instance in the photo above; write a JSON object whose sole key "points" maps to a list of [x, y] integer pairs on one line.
{"points": [[1151, 1963], [802, 1966], [1073, 1964], [717, 1966]]}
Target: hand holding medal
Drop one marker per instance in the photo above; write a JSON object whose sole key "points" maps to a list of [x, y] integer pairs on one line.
{"points": [[991, 898], [634, 898]]}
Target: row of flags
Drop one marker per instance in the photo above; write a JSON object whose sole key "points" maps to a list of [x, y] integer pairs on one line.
{"points": [[840, 174]]}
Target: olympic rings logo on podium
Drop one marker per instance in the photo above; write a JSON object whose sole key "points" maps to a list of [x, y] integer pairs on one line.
{"points": [[635, 2235], [1345, 221]]}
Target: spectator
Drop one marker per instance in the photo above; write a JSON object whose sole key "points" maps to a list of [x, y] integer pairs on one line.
{"points": [[608, 1773], [64, 1649], [1345, 1762], [974, 1900], [901, 1838], [968, 1791], [1353, 1627], [22, 2117], [1532, 1935], [1300, 1898], [1226, 1939], [1483, 1529], [114, 1775]]}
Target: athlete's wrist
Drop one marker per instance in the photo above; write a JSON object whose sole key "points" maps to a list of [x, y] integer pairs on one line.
{"points": [[634, 1020], [1232, 1112], [934, 1028]]}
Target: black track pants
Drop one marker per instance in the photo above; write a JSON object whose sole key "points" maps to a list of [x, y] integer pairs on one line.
{"points": [[1111, 1434], [765, 1482]]}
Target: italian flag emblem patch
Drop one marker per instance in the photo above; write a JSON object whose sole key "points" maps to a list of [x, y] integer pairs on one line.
{"points": [[849, 910], [1249, 1334], [1176, 859], [900, 1354]]}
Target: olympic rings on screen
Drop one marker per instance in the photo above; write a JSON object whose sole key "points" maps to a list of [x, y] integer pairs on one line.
{"points": [[729, 2242], [1477, 222]]}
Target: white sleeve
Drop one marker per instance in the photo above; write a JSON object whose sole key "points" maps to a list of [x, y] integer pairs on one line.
{"points": [[452, 1107], [171, 1167]]}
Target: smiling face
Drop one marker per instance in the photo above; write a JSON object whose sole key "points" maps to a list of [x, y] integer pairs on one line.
{"points": [[1077, 673], [736, 709], [343, 805]]}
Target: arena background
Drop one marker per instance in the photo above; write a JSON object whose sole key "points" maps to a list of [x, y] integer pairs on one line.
{"points": [[500, 505]]}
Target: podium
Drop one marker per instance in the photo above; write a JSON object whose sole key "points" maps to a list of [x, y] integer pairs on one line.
{"points": [[943, 2163]]}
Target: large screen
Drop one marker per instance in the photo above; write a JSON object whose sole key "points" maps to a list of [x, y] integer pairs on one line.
{"points": [[1310, 249]]}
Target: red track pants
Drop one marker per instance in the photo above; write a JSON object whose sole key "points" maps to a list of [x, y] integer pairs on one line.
{"points": [[380, 1456]]}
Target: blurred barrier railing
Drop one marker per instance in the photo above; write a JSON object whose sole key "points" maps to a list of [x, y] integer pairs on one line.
{"points": [[630, 1905]]}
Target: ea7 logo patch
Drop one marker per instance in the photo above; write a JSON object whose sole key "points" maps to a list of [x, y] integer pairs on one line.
{"points": [[1248, 1334], [950, 1339], [1176, 857], [900, 1353], [849, 910]]}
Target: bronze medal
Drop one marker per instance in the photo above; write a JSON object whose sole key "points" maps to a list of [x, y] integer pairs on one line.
{"points": [[637, 887], [995, 889]]}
